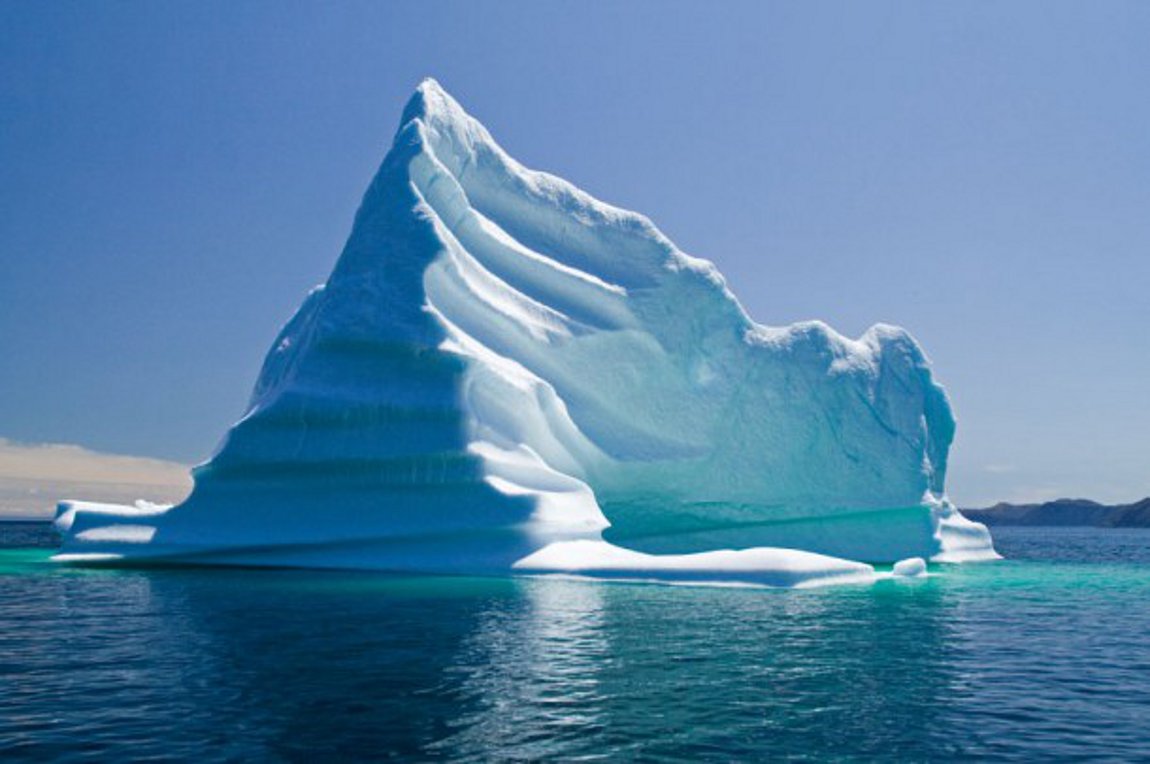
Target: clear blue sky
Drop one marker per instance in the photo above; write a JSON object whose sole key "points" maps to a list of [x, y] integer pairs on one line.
{"points": [[175, 176]]}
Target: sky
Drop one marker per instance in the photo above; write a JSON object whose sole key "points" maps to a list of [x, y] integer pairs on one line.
{"points": [[175, 176]]}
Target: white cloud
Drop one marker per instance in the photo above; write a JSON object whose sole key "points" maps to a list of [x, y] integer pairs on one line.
{"points": [[34, 476]]}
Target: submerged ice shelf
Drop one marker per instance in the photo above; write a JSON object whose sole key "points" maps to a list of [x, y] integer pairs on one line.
{"points": [[505, 374]]}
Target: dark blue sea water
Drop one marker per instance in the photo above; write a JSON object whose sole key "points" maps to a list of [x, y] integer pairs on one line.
{"points": [[1044, 656]]}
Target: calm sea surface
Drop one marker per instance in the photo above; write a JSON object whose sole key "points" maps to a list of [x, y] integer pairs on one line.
{"points": [[1042, 656]]}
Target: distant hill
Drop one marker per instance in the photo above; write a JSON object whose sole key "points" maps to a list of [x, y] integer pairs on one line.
{"points": [[1066, 512]]}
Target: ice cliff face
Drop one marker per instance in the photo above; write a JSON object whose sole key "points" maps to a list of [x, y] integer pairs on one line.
{"points": [[503, 372]]}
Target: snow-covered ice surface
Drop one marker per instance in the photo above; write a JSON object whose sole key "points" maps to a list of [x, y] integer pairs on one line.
{"points": [[505, 374]]}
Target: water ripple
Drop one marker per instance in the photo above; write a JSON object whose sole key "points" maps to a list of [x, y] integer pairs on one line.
{"points": [[1040, 657]]}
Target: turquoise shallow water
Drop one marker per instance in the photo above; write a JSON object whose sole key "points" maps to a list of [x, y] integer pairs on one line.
{"points": [[1044, 655]]}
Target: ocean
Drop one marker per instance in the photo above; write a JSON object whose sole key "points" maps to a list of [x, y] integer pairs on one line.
{"points": [[1043, 655]]}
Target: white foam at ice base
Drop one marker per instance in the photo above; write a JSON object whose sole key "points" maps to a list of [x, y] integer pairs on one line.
{"points": [[504, 374]]}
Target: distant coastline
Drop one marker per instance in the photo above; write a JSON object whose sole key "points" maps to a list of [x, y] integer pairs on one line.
{"points": [[1066, 512], [34, 477]]}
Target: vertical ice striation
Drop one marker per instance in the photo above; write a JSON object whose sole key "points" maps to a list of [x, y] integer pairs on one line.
{"points": [[503, 372]]}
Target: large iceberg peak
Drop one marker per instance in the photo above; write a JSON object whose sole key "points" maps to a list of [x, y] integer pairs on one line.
{"points": [[504, 373], [434, 108], [430, 101]]}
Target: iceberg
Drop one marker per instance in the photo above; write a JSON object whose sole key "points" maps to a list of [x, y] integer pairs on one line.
{"points": [[504, 374]]}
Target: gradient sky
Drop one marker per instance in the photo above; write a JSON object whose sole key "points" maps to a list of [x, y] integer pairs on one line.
{"points": [[174, 177]]}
